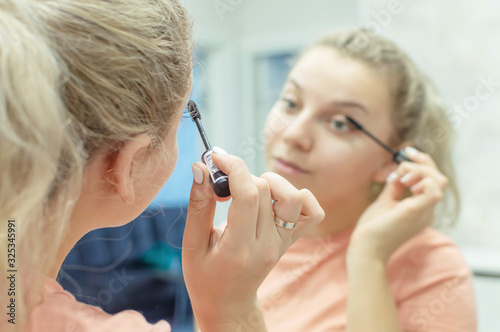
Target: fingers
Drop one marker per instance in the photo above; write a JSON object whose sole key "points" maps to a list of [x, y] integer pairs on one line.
{"points": [[421, 176], [419, 157], [311, 214], [394, 189], [410, 174], [287, 204], [243, 212], [251, 212], [201, 209], [292, 205], [430, 190], [422, 166], [265, 216], [420, 207]]}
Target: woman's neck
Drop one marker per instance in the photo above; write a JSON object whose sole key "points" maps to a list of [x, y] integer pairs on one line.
{"points": [[68, 242]]}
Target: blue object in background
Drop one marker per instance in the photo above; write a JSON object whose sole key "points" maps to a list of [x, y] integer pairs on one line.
{"points": [[177, 189], [278, 68], [136, 266]]}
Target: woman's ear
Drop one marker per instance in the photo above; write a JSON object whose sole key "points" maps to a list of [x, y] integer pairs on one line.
{"points": [[390, 166], [121, 166]]}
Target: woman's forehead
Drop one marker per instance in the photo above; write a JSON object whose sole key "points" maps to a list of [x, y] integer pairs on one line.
{"points": [[327, 77]]}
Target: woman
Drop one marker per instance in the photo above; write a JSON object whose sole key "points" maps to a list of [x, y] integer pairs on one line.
{"points": [[91, 98], [374, 264]]}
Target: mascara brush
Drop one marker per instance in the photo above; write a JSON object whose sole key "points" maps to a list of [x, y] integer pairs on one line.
{"points": [[397, 156]]}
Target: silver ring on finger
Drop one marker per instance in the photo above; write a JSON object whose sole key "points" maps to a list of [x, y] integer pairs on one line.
{"points": [[284, 224]]}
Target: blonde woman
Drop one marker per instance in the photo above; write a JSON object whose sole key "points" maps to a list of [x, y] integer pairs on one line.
{"points": [[90, 105], [374, 263]]}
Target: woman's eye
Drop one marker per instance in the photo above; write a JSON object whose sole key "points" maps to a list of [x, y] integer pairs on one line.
{"points": [[289, 104], [339, 124]]}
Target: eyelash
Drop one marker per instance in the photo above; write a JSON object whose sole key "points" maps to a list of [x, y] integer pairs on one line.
{"points": [[289, 103], [344, 122]]}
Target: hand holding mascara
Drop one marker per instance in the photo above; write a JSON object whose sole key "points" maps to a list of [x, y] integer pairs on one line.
{"points": [[218, 179]]}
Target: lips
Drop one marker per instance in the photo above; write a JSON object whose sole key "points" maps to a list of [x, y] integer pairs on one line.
{"points": [[286, 167]]}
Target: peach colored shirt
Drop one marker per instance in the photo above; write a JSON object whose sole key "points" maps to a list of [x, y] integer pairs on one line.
{"points": [[60, 311], [430, 281]]}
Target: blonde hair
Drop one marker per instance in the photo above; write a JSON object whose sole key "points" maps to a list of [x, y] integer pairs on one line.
{"points": [[37, 151], [129, 64], [419, 114], [109, 70]]}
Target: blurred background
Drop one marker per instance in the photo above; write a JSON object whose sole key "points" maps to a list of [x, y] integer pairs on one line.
{"points": [[244, 52]]}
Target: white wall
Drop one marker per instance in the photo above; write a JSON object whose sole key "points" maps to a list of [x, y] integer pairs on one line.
{"points": [[457, 42]]}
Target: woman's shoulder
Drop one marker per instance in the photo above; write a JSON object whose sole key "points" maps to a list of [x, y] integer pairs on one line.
{"points": [[432, 284], [428, 263], [60, 311], [429, 249]]}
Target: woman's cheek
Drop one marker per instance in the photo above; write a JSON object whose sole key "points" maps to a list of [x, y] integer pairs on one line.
{"points": [[342, 167], [277, 121], [272, 129]]}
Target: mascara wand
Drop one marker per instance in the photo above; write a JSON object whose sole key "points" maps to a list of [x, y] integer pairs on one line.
{"points": [[397, 156], [218, 179], [195, 115]]}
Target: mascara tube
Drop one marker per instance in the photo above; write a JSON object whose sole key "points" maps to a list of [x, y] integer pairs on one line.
{"points": [[218, 179]]}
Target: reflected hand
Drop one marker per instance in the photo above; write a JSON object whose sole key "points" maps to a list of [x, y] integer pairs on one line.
{"points": [[392, 220]]}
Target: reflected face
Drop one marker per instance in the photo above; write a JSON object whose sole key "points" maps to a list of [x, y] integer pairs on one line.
{"points": [[310, 142]]}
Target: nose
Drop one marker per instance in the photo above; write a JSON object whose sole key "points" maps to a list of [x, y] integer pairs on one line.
{"points": [[299, 132]]}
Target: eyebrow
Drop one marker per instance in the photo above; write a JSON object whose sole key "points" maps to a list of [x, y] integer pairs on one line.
{"points": [[294, 82], [350, 104]]}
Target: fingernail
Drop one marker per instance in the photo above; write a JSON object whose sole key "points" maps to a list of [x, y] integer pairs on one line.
{"points": [[391, 177], [197, 174], [405, 178], [218, 150], [411, 152]]}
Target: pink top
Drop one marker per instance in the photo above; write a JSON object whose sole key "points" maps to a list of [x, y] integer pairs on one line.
{"points": [[60, 311], [431, 284]]}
